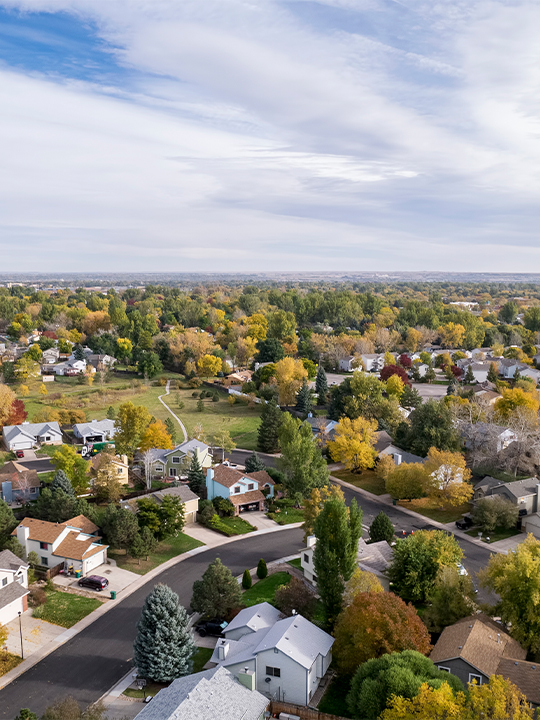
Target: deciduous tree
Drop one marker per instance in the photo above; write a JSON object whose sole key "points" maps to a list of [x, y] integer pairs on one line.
{"points": [[131, 422], [120, 526], [296, 596], [156, 436], [406, 481], [361, 581], [301, 460], [107, 486], [315, 503], [354, 443], [447, 477], [223, 440], [289, 376], [451, 598], [74, 466], [209, 365], [495, 511], [7, 398], [18, 413]]}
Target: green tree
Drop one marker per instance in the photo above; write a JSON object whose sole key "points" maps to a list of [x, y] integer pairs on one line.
{"points": [[33, 559], [321, 386], [56, 506], [222, 439], [496, 511], [268, 433], [26, 714], [262, 570], [247, 582], [131, 422], [469, 378], [398, 673], [432, 425], [7, 522], [451, 598], [111, 413], [254, 463], [417, 560], [303, 399], [148, 515], [62, 482], [78, 352], [410, 398], [531, 319], [269, 350], [142, 544], [171, 429], [120, 526], [281, 324], [217, 593], [492, 375], [172, 517], [149, 364], [301, 460], [196, 475], [337, 529], [74, 466], [509, 312], [164, 647], [381, 528], [200, 405]]}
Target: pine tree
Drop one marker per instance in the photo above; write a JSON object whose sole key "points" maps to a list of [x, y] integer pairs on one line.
{"points": [[164, 646], [217, 593], [381, 528], [254, 463], [195, 475], [303, 399], [262, 570], [410, 398], [517, 375], [451, 389], [171, 429], [143, 544], [62, 482], [271, 416], [469, 376], [492, 373], [247, 582], [111, 413], [200, 405], [321, 386]]}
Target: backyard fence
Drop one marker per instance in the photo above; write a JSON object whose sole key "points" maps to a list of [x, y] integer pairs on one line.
{"points": [[304, 713]]}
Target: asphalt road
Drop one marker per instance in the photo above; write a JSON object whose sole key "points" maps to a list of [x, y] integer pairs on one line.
{"points": [[39, 465]]}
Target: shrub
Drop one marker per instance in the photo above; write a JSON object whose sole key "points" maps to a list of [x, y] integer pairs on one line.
{"points": [[38, 597], [194, 394], [247, 582], [207, 515], [162, 382], [296, 596], [262, 570], [215, 397]]}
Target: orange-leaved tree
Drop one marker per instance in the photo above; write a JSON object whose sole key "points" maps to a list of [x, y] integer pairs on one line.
{"points": [[156, 436]]}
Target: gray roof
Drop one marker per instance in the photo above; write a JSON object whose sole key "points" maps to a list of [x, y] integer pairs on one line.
{"points": [[9, 561], [181, 491], [255, 618], [31, 430], [12, 591], [406, 457], [518, 488], [206, 695], [374, 556], [188, 447], [95, 426]]}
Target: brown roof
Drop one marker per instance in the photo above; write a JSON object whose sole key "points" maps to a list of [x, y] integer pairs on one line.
{"points": [[15, 472], [526, 675], [262, 477], [228, 476], [83, 523], [248, 497], [41, 530], [74, 549], [98, 459], [480, 642]]}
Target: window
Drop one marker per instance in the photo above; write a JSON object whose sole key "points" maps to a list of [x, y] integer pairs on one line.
{"points": [[47, 438], [172, 472], [176, 460], [44, 561], [43, 546], [444, 669], [237, 489], [251, 486], [158, 468], [4, 582], [475, 679], [273, 672], [119, 470], [306, 558]]}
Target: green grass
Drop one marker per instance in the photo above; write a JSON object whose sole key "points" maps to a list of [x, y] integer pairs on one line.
{"points": [[482, 471], [367, 480], [233, 526], [150, 688], [430, 509], [264, 590], [497, 534], [297, 563], [169, 548], [65, 609], [285, 513], [201, 657], [334, 699]]}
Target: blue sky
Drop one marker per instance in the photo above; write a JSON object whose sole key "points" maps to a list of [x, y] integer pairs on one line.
{"points": [[264, 135]]}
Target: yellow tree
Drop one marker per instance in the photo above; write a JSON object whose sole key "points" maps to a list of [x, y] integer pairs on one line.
{"points": [[156, 436], [389, 359], [315, 503], [258, 326], [360, 581], [514, 398], [124, 346], [107, 486], [42, 389], [289, 374], [209, 365], [499, 699], [395, 386], [7, 397], [448, 477], [131, 422], [407, 481], [353, 443], [452, 335], [24, 391], [435, 704], [413, 339]]}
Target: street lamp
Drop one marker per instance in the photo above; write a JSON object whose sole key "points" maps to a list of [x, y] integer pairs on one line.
{"points": [[20, 632]]}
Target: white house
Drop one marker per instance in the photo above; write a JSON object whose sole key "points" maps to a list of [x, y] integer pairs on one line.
{"points": [[27, 435], [69, 543], [13, 586], [95, 431], [70, 367], [288, 657], [50, 356], [244, 490]]}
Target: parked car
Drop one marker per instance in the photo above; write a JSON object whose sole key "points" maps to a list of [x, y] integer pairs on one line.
{"points": [[211, 627], [20, 453], [94, 582], [465, 523]]}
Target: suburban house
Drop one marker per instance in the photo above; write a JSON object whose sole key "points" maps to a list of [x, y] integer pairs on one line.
{"points": [[479, 369], [523, 493], [374, 558], [174, 463], [100, 362], [401, 456], [120, 462], [508, 367], [482, 434], [27, 435], [288, 657], [188, 498], [322, 428], [50, 356], [71, 366], [244, 490], [239, 377], [476, 647], [485, 393], [17, 484], [70, 544], [13, 586], [207, 695], [95, 431]]}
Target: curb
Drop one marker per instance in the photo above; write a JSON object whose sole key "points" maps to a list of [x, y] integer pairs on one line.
{"points": [[61, 639]]}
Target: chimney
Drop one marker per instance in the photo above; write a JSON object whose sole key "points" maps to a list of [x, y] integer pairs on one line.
{"points": [[247, 679], [222, 649], [397, 458], [22, 535]]}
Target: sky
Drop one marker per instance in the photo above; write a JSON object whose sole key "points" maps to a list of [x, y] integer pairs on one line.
{"points": [[261, 135]]}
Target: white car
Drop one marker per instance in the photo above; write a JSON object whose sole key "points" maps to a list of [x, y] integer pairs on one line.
{"points": [[462, 570]]}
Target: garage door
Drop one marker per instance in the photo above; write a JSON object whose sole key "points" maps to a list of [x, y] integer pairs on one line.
{"points": [[22, 445], [94, 561]]}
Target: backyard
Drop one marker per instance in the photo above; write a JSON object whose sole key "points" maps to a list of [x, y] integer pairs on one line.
{"points": [[264, 590], [169, 548]]}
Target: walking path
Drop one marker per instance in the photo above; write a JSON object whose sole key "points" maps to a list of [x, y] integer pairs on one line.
{"points": [[182, 426]]}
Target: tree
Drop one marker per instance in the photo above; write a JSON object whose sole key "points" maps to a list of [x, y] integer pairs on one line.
{"points": [[494, 511], [400, 673], [124, 348], [7, 522], [301, 460], [26, 714], [247, 582], [18, 413], [74, 466], [432, 425], [289, 376], [217, 593], [142, 544], [361, 581], [156, 436], [434, 703], [111, 413], [7, 398], [531, 319], [42, 389], [62, 482], [268, 433], [321, 386], [417, 560], [354, 443], [450, 599], [200, 405], [516, 578], [303, 399], [406, 481], [223, 440], [209, 365], [281, 324], [390, 370], [492, 375], [131, 422], [33, 560], [498, 699], [254, 463], [149, 458], [171, 430], [120, 526], [269, 350], [262, 570], [149, 364], [107, 486], [447, 477], [295, 596], [514, 398], [395, 386], [375, 624], [381, 529], [509, 312], [337, 529], [148, 515], [171, 516], [58, 507], [315, 503], [196, 475], [164, 646], [68, 709]]}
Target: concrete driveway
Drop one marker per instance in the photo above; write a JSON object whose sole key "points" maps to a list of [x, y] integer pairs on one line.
{"points": [[259, 520], [117, 577], [428, 392]]}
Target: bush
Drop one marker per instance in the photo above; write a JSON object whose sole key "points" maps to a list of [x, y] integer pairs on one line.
{"points": [[162, 381], [296, 596], [207, 514], [262, 570], [247, 582], [223, 506], [215, 397], [194, 394], [195, 382], [37, 597]]}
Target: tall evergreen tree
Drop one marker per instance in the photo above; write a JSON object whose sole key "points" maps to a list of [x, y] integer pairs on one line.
{"points": [[271, 418], [164, 646], [111, 413], [321, 386], [217, 593], [171, 429], [303, 399], [492, 375], [196, 476], [469, 376], [254, 463], [301, 460], [62, 482], [410, 398], [381, 528]]}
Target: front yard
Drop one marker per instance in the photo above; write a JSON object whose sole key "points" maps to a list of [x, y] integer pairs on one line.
{"points": [[65, 609], [367, 480], [497, 534], [169, 548], [231, 526], [285, 513], [432, 510], [264, 590], [8, 661]]}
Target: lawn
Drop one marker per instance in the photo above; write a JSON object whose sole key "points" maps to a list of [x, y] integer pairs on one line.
{"points": [[151, 688], [297, 563], [65, 609], [8, 662], [497, 534], [285, 513], [367, 480], [201, 657], [264, 590], [430, 508], [169, 548], [233, 526], [334, 699]]}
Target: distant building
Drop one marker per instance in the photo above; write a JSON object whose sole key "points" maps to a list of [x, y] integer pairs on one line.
{"points": [[28, 435]]}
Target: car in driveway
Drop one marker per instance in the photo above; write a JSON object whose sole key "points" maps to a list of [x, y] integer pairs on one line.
{"points": [[20, 453], [94, 582], [464, 523], [211, 627]]}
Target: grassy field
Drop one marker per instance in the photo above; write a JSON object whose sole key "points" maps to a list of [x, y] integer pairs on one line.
{"points": [[368, 480], [169, 548], [432, 510], [65, 609], [235, 526], [264, 590]]}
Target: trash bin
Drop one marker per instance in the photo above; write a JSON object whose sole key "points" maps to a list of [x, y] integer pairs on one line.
{"points": [[394, 502], [78, 574], [113, 594]]}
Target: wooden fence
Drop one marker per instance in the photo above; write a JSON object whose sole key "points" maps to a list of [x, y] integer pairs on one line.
{"points": [[305, 713]]}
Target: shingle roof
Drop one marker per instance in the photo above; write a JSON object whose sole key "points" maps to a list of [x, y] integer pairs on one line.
{"points": [[252, 496], [297, 638], [262, 477], [228, 476], [406, 457], [75, 549], [83, 523], [12, 591], [30, 430], [377, 556], [526, 675], [15, 472], [255, 618], [206, 695], [41, 530], [9, 561], [95, 426], [190, 446], [180, 491]]}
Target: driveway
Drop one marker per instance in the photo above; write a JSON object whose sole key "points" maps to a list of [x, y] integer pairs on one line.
{"points": [[259, 520], [117, 577], [36, 633], [428, 392]]}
